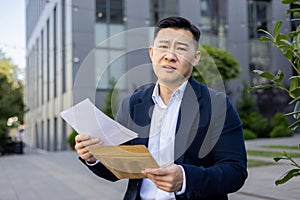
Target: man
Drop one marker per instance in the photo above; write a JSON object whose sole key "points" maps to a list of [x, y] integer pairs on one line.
{"points": [[192, 131]]}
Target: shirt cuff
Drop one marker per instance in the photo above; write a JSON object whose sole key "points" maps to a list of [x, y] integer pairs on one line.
{"points": [[91, 164], [183, 188]]}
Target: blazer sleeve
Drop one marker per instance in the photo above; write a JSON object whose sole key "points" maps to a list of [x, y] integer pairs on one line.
{"points": [[227, 170]]}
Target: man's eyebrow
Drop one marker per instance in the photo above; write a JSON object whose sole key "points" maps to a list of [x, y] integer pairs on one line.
{"points": [[163, 41], [182, 43], [167, 42]]}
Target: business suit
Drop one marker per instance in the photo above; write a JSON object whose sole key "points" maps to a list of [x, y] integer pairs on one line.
{"points": [[208, 145]]}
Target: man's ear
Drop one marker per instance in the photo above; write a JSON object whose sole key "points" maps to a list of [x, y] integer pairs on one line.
{"points": [[150, 51], [197, 58]]}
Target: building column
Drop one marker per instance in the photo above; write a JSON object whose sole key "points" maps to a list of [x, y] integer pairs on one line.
{"points": [[237, 44]]}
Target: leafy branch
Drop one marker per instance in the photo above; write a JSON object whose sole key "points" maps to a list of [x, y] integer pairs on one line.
{"points": [[289, 45], [289, 174]]}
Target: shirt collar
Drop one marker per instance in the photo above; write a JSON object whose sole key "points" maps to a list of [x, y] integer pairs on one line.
{"points": [[178, 93]]}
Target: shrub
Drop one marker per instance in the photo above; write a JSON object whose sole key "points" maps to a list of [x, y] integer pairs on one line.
{"points": [[111, 100], [257, 124], [71, 139], [280, 119], [281, 131], [215, 61], [249, 135]]}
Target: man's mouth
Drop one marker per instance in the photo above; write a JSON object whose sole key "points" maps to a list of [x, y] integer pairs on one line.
{"points": [[169, 67]]}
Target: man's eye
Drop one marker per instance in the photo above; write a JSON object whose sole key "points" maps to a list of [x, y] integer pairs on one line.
{"points": [[181, 49], [163, 46]]}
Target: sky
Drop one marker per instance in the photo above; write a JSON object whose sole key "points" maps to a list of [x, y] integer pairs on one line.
{"points": [[12, 30]]}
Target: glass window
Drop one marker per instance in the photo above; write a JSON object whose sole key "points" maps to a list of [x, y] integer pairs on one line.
{"points": [[259, 52], [109, 22], [258, 17], [161, 9], [213, 22], [109, 64], [109, 11]]}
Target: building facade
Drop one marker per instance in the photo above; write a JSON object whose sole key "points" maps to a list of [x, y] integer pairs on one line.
{"points": [[75, 47]]}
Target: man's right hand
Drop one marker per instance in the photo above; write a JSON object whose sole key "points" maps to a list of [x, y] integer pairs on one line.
{"points": [[81, 147]]}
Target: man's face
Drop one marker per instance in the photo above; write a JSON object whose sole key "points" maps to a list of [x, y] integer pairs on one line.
{"points": [[173, 56]]}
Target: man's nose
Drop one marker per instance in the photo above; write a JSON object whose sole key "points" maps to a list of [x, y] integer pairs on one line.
{"points": [[170, 55]]}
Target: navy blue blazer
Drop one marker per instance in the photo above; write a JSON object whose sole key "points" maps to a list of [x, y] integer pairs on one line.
{"points": [[209, 141]]}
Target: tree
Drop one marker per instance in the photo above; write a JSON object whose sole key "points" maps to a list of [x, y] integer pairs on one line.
{"points": [[11, 96], [289, 45], [215, 61], [111, 98]]}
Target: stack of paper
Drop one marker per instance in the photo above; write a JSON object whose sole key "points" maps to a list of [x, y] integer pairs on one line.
{"points": [[123, 161], [86, 118]]}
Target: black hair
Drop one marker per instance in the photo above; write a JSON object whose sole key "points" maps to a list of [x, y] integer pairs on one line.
{"points": [[177, 23]]}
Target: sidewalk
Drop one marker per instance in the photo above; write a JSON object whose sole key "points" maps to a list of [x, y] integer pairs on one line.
{"points": [[260, 184], [40, 175]]}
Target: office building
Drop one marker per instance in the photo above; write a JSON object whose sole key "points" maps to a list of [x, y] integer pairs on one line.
{"points": [[74, 47]]}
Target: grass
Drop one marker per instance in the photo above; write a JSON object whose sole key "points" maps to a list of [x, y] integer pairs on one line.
{"points": [[257, 163], [270, 153], [296, 147]]}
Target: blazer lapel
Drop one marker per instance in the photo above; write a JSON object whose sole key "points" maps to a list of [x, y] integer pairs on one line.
{"points": [[141, 114], [188, 119]]}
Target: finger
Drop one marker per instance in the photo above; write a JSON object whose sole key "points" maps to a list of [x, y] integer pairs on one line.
{"points": [[81, 137], [86, 156], [91, 141], [157, 171], [82, 151], [79, 146]]}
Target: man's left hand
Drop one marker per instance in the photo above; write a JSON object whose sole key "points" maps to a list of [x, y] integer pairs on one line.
{"points": [[168, 177]]}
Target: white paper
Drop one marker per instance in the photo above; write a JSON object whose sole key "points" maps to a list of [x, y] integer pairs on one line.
{"points": [[86, 118]]}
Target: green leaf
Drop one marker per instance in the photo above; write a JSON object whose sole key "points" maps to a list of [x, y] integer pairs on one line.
{"points": [[288, 54], [294, 125], [265, 39], [276, 159], [295, 93], [294, 100], [294, 83], [264, 74], [292, 10], [277, 27], [295, 20], [294, 77], [288, 43], [292, 113], [288, 1], [260, 87], [293, 33], [287, 176], [296, 110], [267, 33], [278, 77]]}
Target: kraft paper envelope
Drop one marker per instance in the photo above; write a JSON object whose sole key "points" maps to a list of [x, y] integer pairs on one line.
{"points": [[124, 161]]}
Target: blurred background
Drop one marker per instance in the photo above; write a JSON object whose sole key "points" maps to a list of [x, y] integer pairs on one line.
{"points": [[45, 46]]}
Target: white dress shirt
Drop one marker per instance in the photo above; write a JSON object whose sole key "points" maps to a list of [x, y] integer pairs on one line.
{"points": [[161, 140]]}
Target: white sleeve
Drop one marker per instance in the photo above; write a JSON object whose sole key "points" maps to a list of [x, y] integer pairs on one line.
{"points": [[183, 182], [92, 164]]}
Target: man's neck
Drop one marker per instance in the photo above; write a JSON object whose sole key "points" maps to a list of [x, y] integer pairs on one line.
{"points": [[166, 92]]}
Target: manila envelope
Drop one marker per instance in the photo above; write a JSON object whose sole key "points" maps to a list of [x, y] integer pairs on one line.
{"points": [[124, 161]]}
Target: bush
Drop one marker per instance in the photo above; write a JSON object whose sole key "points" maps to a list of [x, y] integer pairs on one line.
{"points": [[258, 124], [249, 135], [71, 139], [215, 61], [281, 131], [280, 119]]}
